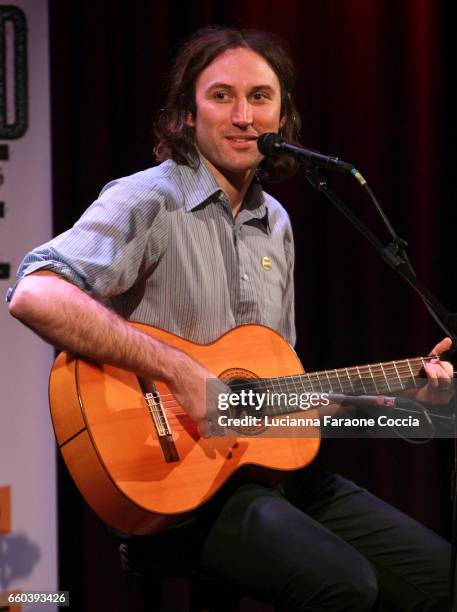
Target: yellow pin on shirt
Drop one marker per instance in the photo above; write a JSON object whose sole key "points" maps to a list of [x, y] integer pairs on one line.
{"points": [[266, 263]]}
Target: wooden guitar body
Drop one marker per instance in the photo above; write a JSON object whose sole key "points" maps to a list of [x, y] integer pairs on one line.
{"points": [[110, 444]]}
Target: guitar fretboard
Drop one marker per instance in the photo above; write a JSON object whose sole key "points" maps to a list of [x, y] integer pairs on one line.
{"points": [[389, 377], [380, 378]]}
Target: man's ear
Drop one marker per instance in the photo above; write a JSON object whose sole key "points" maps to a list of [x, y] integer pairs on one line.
{"points": [[282, 123], [190, 121]]}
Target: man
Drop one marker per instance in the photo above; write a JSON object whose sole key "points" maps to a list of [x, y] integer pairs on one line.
{"points": [[178, 246]]}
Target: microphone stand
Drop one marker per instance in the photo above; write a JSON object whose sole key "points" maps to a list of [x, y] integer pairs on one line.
{"points": [[391, 254], [395, 257]]}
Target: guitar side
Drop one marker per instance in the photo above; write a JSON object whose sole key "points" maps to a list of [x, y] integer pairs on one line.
{"points": [[109, 441]]}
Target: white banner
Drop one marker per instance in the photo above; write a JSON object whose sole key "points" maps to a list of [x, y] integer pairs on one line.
{"points": [[28, 555]]}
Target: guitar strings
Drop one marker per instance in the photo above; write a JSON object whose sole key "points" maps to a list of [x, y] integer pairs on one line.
{"points": [[400, 372], [367, 378], [172, 402], [303, 381]]}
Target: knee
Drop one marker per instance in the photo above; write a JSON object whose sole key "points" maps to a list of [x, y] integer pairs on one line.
{"points": [[353, 589]]}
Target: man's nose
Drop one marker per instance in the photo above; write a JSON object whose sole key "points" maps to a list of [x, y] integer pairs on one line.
{"points": [[242, 114]]}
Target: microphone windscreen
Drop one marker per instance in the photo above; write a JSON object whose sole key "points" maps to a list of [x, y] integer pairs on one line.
{"points": [[268, 143]]}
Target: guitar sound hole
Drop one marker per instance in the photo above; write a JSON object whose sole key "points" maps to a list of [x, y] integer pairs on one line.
{"points": [[248, 417]]}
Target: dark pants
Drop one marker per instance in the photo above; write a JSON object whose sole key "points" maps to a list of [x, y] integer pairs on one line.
{"points": [[319, 542], [323, 543]]}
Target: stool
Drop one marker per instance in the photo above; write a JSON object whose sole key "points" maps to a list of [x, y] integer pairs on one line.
{"points": [[174, 553]]}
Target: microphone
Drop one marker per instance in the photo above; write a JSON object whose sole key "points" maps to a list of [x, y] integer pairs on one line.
{"points": [[380, 401], [391, 402], [272, 144]]}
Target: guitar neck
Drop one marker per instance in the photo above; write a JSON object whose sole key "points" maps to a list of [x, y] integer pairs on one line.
{"points": [[380, 378], [388, 377]]}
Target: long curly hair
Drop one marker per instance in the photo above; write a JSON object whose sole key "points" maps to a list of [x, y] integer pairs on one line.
{"points": [[175, 138]]}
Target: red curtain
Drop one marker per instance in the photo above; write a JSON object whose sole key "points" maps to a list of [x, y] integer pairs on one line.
{"points": [[375, 86]]}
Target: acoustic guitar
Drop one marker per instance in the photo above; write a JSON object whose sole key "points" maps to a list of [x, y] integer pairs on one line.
{"points": [[137, 457]]}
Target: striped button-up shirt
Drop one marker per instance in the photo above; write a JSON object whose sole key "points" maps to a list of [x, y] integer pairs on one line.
{"points": [[162, 247]]}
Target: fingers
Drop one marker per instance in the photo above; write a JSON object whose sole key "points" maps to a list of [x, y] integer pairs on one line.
{"points": [[210, 425], [440, 372], [439, 387], [441, 347]]}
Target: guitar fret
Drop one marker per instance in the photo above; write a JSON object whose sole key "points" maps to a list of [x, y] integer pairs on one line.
{"points": [[311, 383], [330, 386], [339, 381], [385, 377], [296, 386], [361, 379], [413, 378], [320, 384], [285, 408], [350, 380], [373, 379], [398, 376], [276, 389]]}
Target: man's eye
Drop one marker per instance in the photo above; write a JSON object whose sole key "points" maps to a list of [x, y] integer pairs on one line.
{"points": [[221, 95], [260, 95]]}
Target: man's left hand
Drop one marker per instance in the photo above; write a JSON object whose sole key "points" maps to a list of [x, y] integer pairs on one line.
{"points": [[439, 388]]}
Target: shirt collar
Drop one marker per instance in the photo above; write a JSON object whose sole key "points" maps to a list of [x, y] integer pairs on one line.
{"points": [[200, 185]]}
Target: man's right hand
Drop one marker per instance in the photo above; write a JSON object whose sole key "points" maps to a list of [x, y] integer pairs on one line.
{"points": [[71, 320], [196, 389]]}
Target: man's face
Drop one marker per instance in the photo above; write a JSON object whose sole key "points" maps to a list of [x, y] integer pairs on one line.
{"points": [[237, 98]]}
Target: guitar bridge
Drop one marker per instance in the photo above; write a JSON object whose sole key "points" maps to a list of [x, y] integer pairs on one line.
{"points": [[159, 418]]}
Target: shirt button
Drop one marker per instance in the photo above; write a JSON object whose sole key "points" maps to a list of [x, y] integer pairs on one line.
{"points": [[245, 277]]}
